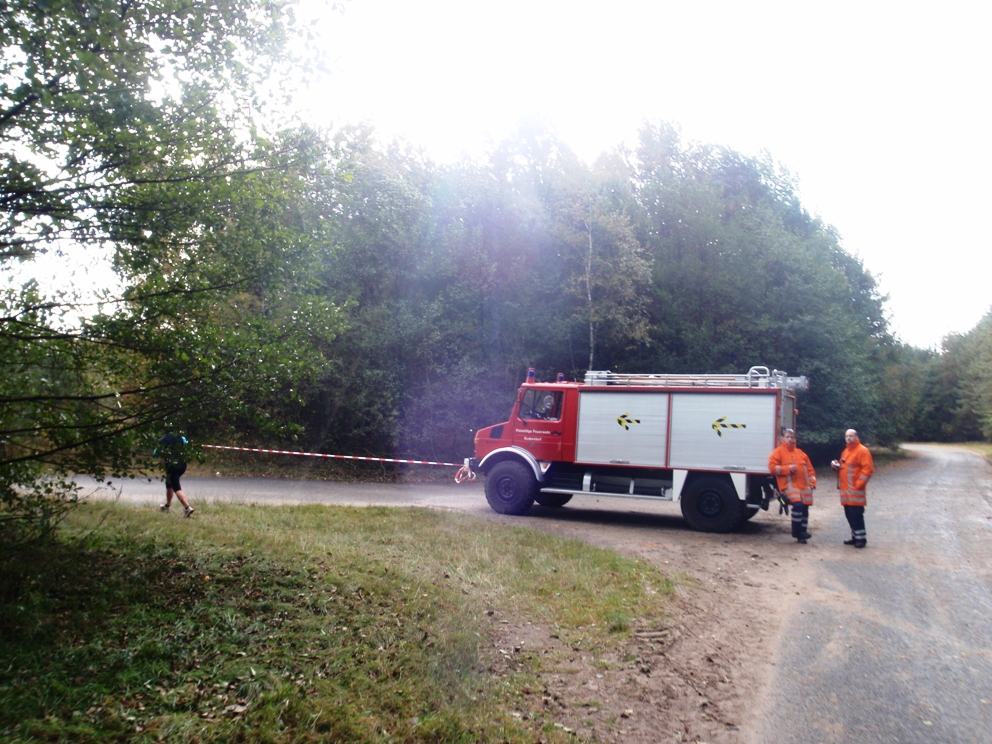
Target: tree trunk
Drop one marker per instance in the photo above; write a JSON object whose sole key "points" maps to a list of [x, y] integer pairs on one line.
{"points": [[592, 322]]}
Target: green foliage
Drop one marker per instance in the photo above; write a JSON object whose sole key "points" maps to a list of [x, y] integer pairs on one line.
{"points": [[290, 624], [743, 275], [358, 297], [603, 266], [134, 128], [98, 98], [902, 387], [955, 400], [671, 258], [976, 377]]}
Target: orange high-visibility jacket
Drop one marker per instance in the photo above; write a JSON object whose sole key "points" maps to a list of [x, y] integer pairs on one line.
{"points": [[798, 487], [856, 467]]}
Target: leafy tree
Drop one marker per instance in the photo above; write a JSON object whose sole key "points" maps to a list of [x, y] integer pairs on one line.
{"points": [[743, 275], [977, 378], [608, 273], [101, 97], [901, 389], [955, 402], [377, 209], [457, 279], [943, 415], [588, 272], [135, 127]]}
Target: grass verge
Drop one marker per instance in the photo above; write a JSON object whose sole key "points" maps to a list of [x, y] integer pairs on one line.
{"points": [[297, 467], [888, 455], [296, 624]]}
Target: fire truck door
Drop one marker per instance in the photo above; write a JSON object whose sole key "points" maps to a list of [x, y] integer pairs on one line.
{"points": [[538, 428]]}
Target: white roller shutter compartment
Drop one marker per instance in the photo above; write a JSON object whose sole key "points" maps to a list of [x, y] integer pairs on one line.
{"points": [[622, 428], [722, 431]]}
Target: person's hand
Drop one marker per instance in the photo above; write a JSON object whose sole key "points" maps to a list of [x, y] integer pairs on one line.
{"points": [[793, 469], [835, 464]]}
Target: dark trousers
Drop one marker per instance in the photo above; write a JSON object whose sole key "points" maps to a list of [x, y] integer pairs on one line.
{"points": [[856, 518], [800, 518]]}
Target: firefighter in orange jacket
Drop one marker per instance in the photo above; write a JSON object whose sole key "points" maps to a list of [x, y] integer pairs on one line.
{"points": [[854, 468], [796, 481]]}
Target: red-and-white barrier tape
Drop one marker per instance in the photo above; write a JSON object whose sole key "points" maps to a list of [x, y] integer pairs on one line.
{"points": [[464, 471]]}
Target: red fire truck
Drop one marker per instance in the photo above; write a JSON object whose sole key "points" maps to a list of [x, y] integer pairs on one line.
{"points": [[700, 440]]}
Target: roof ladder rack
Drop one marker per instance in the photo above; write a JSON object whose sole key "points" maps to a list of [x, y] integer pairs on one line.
{"points": [[756, 377]]}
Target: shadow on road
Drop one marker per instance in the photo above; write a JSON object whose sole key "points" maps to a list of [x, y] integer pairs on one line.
{"points": [[671, 522]]}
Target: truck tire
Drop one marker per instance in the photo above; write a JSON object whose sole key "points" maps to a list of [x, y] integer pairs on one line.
{"points": [[749, 513], [511, 487], [553, 500], [710, 504]]}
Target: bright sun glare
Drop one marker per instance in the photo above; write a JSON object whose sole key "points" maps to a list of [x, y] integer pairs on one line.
{"points": [[876, 108]]}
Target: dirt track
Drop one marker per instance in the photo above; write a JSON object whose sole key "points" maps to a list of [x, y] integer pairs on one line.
{"points": [[695, 675], [749, 638]]}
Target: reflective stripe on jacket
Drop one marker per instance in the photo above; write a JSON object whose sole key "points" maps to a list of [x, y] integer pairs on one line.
{"points": [[856, 467], [798, 487]]}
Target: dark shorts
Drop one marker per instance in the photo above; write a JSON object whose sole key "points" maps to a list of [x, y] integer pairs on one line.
{"points": [[172, 473]]}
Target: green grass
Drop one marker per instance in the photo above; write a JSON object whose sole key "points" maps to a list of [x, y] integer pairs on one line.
{"points": [[887, 455], [296, 624]]}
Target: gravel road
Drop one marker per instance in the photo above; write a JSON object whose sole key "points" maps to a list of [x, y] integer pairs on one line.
{"points": [[465, 497], [892, 643], [768, 641]]}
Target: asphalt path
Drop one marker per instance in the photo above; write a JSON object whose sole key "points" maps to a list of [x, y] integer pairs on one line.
{"points": [[467, 497], [892, 643], [204, 491]]}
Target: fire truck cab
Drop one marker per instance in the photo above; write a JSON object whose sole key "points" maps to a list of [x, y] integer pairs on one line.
{"points": [[700, 440]]}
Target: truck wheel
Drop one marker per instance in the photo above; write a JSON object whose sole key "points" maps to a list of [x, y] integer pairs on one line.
{"points": [[710, 504], [510, 487], [749, 513], [553, 500]]}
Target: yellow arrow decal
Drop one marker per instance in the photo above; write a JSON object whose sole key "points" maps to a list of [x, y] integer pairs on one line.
{"points": [[625, 420], [719, 424]]}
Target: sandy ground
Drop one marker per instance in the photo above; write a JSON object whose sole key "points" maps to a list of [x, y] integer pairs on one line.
{"points": [[697, 674]]}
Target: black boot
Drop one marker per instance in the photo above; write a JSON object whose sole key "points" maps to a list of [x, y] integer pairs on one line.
{"points": [[852, 541]]}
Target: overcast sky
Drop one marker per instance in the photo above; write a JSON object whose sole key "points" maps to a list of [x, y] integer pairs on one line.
{"points": [[879, 109]]}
